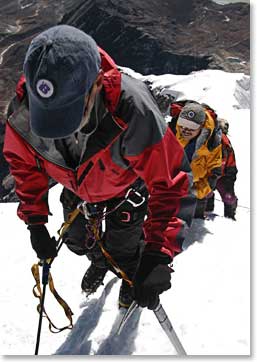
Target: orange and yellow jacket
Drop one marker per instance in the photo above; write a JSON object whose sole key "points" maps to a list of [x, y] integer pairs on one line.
{"points": [[207, 157]]}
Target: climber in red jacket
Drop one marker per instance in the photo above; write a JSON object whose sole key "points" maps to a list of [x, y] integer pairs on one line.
{"points": [[77, 120]]}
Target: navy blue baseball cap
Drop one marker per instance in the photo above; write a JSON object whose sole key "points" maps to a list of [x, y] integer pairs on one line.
{"points": [[60, 67]]}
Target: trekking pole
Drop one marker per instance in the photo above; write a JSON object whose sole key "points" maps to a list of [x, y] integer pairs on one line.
{"points": [[46, 268], [45, 274]]}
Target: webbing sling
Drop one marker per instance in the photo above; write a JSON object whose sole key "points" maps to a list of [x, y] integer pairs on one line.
{"points": [[37, 290], [95, 229], [115, 265]]}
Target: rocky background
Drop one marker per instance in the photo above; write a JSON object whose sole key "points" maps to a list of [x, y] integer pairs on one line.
{"points": [[152, 37]]}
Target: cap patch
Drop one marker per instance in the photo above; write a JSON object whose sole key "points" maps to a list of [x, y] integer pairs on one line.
{"points": [[191, 114], [45, 88]]}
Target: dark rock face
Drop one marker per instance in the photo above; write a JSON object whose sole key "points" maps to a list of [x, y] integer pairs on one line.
{"points": [[152, 37], [175, 36]]}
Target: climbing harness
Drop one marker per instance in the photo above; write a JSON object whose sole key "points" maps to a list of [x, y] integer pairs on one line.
{"points": [[94, 219]]}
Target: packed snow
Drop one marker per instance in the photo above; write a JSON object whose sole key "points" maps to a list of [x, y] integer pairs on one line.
{"points": [[209, 302]]}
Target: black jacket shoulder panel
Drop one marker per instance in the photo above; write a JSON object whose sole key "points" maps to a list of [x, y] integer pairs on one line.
{"points": [[138, 108]]}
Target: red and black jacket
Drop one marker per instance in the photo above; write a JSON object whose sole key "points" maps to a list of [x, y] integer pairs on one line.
{"points": [[131, 140], [229, 168]]}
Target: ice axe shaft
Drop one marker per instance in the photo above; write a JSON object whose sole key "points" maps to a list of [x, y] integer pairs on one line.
{"points": [[164, 321], [127, 315], [166, 325]]}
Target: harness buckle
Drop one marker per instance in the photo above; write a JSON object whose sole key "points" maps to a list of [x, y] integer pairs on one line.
{"points": [[89, 210], [135, 203]]}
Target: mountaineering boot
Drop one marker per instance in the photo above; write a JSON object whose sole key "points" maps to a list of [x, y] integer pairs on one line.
{"points": [[93, 278], [125, 295], [200, 208], [210, 204], [230, 211]]}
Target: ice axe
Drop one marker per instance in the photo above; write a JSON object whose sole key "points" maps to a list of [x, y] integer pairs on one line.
{"points": [[164, 321]]}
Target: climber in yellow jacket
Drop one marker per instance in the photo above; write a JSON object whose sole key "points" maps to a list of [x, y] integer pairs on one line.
{"points": [[195, 129]]}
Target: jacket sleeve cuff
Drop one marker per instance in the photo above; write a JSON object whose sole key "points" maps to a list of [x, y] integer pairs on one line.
{"points": [[36, 219], [165, 257]]}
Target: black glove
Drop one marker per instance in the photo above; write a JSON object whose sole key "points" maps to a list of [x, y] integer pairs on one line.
{"points": [[152, 278], [42, 243]]}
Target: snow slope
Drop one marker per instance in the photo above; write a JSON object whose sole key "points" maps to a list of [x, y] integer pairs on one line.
{"points": [[209, 302]]}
